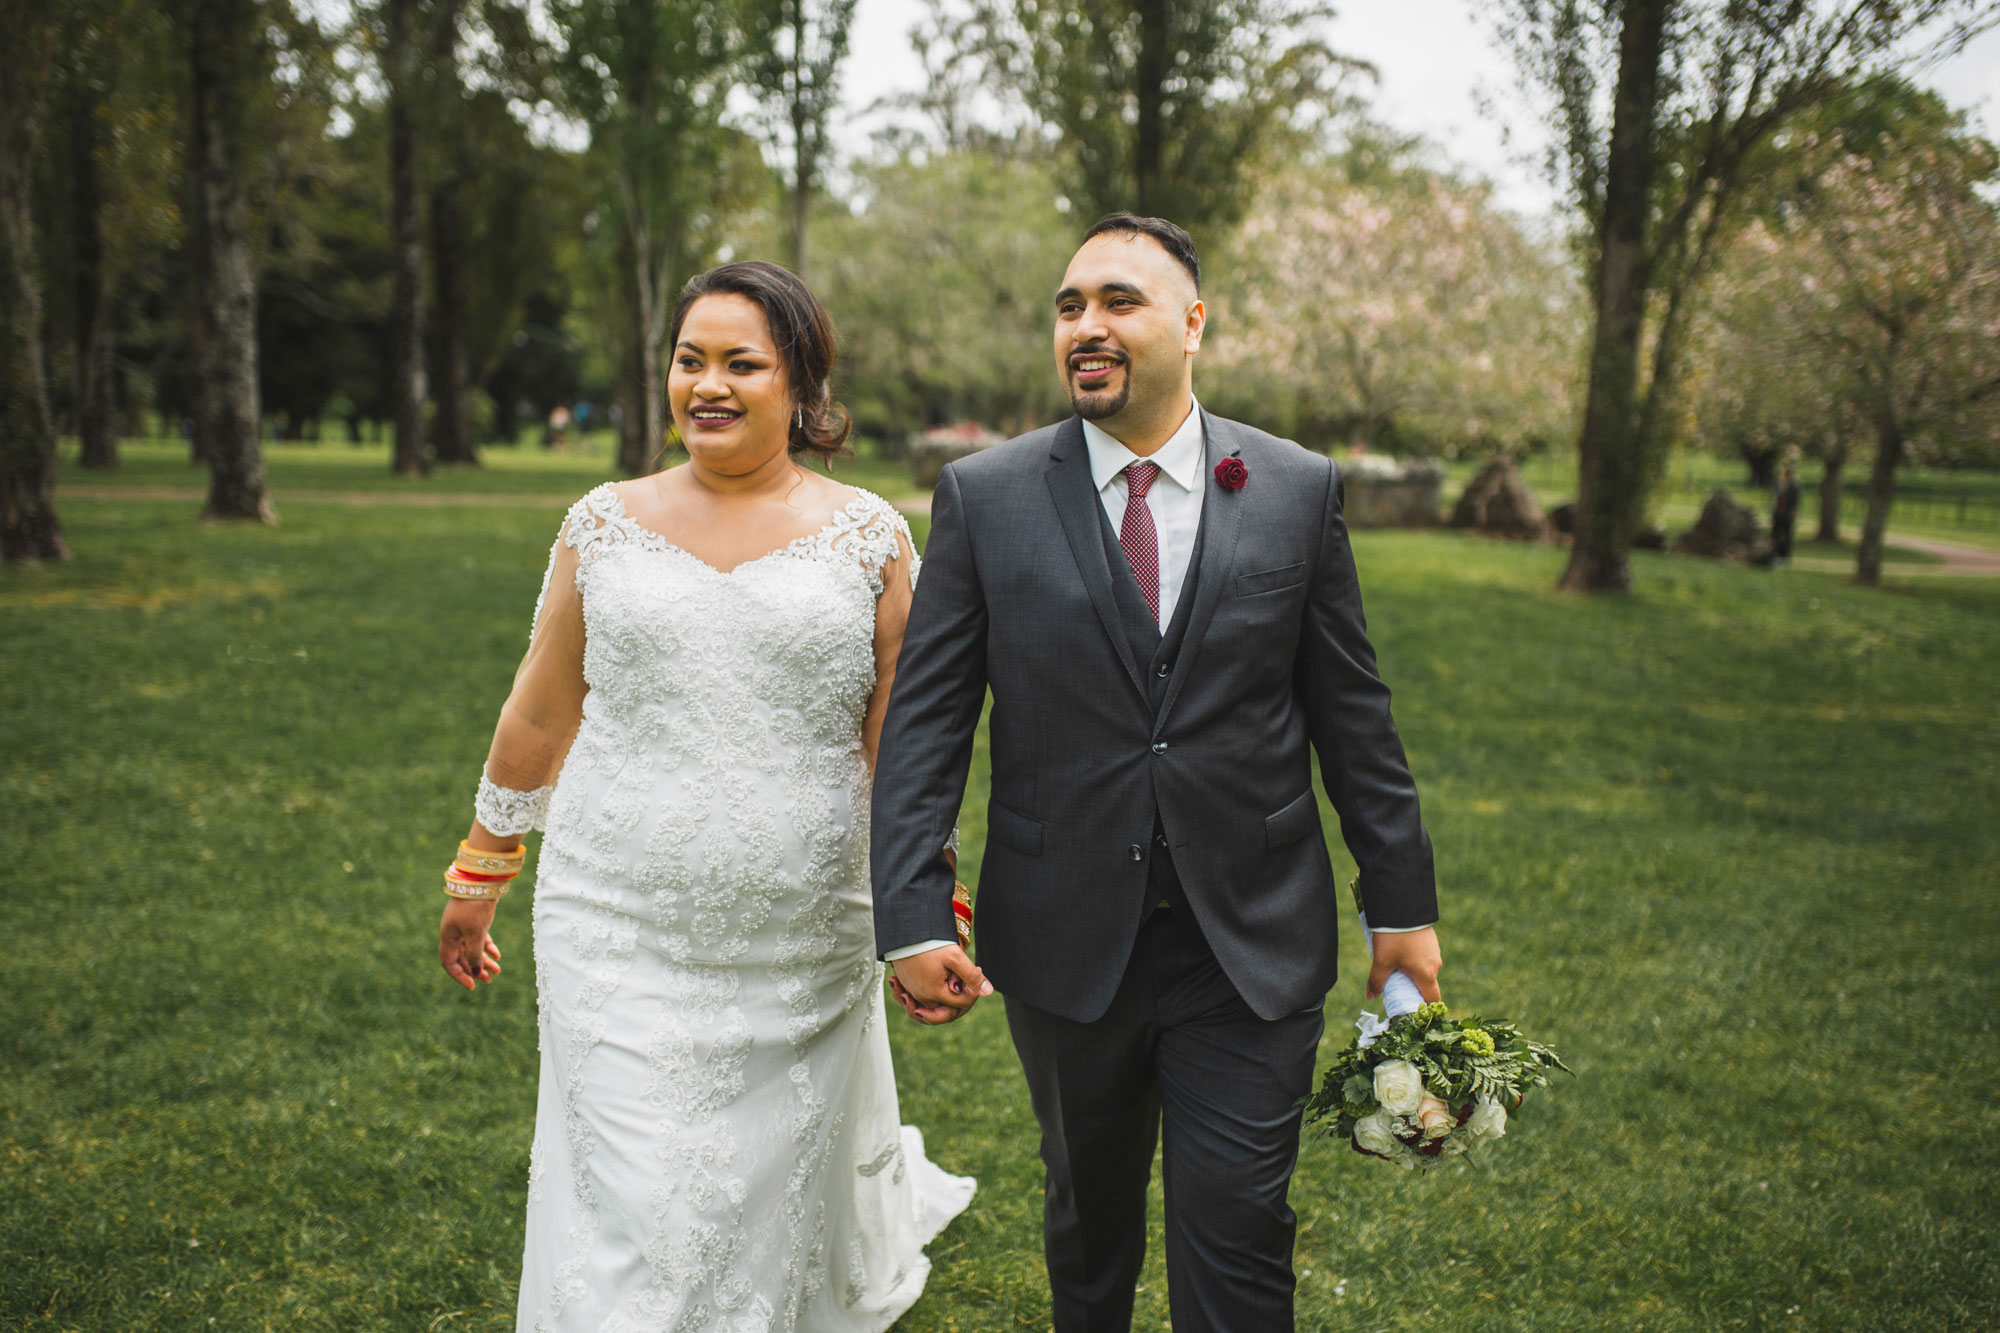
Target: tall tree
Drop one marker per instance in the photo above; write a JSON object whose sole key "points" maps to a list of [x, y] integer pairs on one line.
{"points": [[650, 78], [1162, 106], [91, 53], [229, 60], [1907, 308], [454, 441], [29, 529], [403, 70], [795, 49], [1697, 89]]}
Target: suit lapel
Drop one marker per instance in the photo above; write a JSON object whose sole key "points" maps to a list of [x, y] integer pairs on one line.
{"points": [[1221, 522], [1081, 512]]}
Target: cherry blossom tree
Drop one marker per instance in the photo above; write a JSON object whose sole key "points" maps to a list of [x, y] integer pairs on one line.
{"points": [[1403, 311]]}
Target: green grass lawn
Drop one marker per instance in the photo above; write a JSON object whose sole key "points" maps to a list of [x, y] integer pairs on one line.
{"points": [[1729, 842]]}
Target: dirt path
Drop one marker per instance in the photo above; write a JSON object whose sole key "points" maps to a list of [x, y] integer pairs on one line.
{"points": [[1957, 561]]}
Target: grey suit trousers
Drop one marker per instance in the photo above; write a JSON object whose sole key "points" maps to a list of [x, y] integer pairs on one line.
{"points": [[1178, 1050]]}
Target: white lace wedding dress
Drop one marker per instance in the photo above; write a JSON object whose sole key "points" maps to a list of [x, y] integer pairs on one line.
{"points": [[717, 1142]]}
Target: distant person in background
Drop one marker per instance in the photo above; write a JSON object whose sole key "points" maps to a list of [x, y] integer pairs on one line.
{"points": [[557, 436], [1784, 514]]}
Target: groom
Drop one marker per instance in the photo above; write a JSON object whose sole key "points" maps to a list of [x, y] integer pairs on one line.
{"points": [[1164, 607]]}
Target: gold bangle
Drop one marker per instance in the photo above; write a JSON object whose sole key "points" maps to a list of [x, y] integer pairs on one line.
{"points": [[489, 863], [454, 888]]}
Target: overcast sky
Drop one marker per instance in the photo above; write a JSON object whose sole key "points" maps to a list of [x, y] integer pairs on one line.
{"points": [[1436, 63]]}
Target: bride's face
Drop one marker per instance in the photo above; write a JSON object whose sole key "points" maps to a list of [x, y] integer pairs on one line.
{"points": [[728, 388]]}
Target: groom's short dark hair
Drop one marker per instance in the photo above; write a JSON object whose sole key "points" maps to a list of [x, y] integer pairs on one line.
{"points": [[1170, 237]]}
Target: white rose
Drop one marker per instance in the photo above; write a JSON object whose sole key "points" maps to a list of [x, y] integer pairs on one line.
{"points": [[1377, 1134], [1399, 1087], [1489, 1121], [1435, 1118]]}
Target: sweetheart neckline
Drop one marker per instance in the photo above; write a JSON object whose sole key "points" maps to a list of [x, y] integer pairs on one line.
{"points": [[655, 538]]}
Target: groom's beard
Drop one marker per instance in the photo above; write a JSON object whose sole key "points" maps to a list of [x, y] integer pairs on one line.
{"points": [[1103, 403]]}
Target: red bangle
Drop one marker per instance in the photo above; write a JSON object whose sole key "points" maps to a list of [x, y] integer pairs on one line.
{"points": [[458, 872]]}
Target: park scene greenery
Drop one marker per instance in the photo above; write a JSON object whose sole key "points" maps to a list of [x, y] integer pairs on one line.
{"points": [[318, 315]]}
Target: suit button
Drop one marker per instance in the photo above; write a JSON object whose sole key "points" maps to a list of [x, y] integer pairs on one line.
{"points": [[1165, 667], [1159, 747], [1138, 852]]}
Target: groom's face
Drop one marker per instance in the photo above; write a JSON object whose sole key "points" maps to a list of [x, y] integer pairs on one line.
{"points": [[1128, 321]]}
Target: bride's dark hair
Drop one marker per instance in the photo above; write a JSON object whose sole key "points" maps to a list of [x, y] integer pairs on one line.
{"points": [[803, 333]]}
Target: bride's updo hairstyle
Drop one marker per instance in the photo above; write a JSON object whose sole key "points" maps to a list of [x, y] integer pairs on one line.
{"points": [[803, 335]]}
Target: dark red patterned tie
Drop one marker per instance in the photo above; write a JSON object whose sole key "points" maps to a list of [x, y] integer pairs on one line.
{"points": [[1137, 536]]}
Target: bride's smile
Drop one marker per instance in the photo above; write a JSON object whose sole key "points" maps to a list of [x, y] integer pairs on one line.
{"points": [[728, 388]]}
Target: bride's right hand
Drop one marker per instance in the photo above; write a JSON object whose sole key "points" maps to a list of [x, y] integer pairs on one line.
{"points": [[465, 942]]}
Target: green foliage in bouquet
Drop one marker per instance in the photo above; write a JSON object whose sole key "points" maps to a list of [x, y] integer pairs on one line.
{"points": [[1429, 1086]]}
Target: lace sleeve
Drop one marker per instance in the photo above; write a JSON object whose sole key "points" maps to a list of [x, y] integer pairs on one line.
{"points": [[546, 702], [582, 530], [508, 812], [878, 534]]}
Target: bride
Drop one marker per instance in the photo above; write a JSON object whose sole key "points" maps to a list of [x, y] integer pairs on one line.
{"points": [[717, 1141]]}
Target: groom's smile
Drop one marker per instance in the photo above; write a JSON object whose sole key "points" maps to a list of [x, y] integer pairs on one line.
{"points": [[1128, 322]]}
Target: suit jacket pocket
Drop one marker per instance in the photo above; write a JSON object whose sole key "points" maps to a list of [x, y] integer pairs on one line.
{"points": [[1299, 817], [1270, 580], [1021, 833]]}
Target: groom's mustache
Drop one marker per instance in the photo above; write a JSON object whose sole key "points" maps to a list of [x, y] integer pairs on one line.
{"points": [[1095, 354]]}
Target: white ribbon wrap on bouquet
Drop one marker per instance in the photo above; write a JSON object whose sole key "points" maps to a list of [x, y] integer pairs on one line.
{"points": [[1399, 994]]}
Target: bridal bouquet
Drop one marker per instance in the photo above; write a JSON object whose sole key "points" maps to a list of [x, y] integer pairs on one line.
{"points": [[1424, 1086]]}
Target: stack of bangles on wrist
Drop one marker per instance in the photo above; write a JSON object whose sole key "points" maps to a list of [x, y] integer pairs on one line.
{"points": [[481, 875]]}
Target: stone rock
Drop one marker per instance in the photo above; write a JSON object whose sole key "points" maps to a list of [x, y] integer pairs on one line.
{"points": [[1726, 530], [1562, 518], [1382, 493], [1498, 503], [931, 449]]}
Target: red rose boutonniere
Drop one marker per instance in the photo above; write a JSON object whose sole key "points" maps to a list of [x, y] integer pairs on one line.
{"points": [[1230, 474]]}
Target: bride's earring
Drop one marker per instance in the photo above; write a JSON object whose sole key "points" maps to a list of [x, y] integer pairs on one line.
{"points": [[801, 416]]}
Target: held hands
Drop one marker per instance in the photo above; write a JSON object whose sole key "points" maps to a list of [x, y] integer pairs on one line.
{"points": [[465, 944], [938, 985], [1414, 953]]}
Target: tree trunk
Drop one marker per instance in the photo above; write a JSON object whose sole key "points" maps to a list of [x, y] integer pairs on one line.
{"points": [[1881, 492], [406, 316], [639, 440], [454, 442], [802, 173], [802, 148], [96, 363], [640, 443], [1149, 133], [1611, 470], [29, 529], [1763, 465], [1829, 492], [223, 31], [631, 422], [453, 427]]}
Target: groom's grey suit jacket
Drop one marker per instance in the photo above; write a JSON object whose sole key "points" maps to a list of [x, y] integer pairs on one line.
{"points": [[1103, 729]]}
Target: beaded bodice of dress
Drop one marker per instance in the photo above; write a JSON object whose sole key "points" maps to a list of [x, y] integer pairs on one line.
{"points": [[720, 705]]}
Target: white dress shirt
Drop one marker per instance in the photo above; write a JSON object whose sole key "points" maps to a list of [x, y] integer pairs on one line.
{"points": [[1175, 497]]}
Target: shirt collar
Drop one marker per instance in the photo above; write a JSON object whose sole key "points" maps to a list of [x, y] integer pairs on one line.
{"points": [[1179, 458]]}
